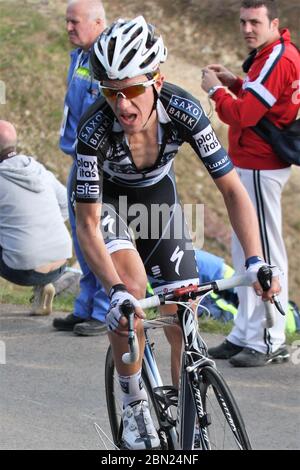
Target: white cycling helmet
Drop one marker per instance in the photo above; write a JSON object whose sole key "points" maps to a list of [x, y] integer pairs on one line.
{"points": [[128, 48]]}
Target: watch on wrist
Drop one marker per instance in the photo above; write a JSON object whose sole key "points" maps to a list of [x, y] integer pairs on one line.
{"points": [[213, 89]]}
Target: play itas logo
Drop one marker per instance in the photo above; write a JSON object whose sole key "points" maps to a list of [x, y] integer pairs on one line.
{"points": [[184, 111], [207, 142], [87, 169]]}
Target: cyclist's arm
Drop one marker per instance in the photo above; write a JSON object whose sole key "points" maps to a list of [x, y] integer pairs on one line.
{"points": [[89, 186], [92, 244], [241, 213]]}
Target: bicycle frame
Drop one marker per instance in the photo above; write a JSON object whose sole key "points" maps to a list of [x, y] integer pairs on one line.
{"points": [[194, 357], [166, 420]]}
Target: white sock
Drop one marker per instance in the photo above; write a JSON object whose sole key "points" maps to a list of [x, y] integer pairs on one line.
{"points": [[132, 388]]}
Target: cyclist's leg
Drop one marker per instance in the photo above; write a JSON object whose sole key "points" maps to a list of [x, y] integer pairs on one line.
{"points": [[174, 337], [138, 429], [169, 258], [132, 273]]}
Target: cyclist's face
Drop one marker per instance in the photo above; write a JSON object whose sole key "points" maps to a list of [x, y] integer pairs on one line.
{"points": [[82, 29], [256, 27], [133, 112]]}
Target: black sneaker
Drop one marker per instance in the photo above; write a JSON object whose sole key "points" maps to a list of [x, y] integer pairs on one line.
{"points": [[225, 350], [91, 327], [252, 358], [67, 323]]}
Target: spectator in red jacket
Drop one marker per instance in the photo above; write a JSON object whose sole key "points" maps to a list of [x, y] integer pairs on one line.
{"points": [[268, 89]]}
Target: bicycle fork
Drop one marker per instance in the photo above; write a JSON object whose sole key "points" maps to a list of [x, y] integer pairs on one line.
{"points": [[190, 411]]}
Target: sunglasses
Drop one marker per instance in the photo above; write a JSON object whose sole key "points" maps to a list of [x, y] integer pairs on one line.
{"points": [[128, 92]]}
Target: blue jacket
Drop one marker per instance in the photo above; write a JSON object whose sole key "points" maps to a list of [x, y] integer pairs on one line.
{"points": [[82, 91]]}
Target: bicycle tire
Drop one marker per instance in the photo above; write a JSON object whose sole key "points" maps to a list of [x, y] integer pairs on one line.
{"points": [[227, 429], [114, 406]]}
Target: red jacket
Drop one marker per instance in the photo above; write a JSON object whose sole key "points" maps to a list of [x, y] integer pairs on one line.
{"points": [[271, 89]]}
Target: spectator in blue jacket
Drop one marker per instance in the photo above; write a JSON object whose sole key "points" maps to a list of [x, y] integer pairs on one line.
{"points": [[85, 20]]}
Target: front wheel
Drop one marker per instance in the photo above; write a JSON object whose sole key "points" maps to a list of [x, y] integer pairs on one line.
{"points": [[226, 429]]}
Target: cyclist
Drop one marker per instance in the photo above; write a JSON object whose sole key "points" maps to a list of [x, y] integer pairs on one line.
{"points": [[126, 144]]}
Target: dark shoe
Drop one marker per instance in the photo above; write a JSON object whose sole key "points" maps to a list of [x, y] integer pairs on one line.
{"points": [[252, 358], [225, 350], [90, 328], [67, 323]]}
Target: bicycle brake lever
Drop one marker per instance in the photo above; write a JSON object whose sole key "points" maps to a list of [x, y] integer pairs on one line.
{"points": [[127, 310], [264, 277], [278, 305], [132, 356]]}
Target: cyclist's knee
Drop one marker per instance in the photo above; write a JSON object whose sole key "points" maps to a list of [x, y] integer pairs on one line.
{"points": [[136, 287]]}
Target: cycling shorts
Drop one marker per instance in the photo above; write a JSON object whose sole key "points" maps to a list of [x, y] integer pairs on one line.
{"points": [[151, 221]]}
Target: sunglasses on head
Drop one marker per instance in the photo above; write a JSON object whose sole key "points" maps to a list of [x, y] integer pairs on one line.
{"points": [[128, 92]]}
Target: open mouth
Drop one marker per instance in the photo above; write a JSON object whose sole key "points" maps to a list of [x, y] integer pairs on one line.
{"points": [[127, 119]]}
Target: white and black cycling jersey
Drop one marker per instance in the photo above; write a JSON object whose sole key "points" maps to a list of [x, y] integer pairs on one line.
{"points": [[103, 151]]}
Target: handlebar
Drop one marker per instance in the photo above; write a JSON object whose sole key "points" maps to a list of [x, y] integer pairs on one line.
{"points": [[192, 292]]}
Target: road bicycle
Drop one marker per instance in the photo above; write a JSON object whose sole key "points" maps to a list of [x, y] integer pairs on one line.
{"points": [[202, 413]]}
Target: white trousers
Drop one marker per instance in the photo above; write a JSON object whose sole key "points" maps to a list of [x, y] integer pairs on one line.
{"points": [[264, 188]]}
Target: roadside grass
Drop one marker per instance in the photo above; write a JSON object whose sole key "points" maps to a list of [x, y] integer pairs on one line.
{"points": [[35, 51]]}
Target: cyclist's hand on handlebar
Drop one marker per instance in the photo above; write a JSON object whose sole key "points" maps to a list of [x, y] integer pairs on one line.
{"points": [[273, 288], [115, 318], [273, 291]]}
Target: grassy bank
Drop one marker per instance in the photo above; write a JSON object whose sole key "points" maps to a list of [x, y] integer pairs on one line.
{"points": [[34, 59]]}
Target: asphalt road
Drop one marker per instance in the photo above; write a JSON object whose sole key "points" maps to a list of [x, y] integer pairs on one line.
{"points": [[52, 388]]}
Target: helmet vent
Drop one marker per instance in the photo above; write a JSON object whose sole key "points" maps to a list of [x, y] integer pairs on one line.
{"points": [[111, 50]]}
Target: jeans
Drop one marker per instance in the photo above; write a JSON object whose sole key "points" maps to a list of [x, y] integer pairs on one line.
{"points": [[28, 277]]}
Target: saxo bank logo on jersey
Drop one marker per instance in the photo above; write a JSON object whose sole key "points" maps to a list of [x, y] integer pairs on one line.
{"points": [[207, 141], [94, 130], [184, 111]]}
